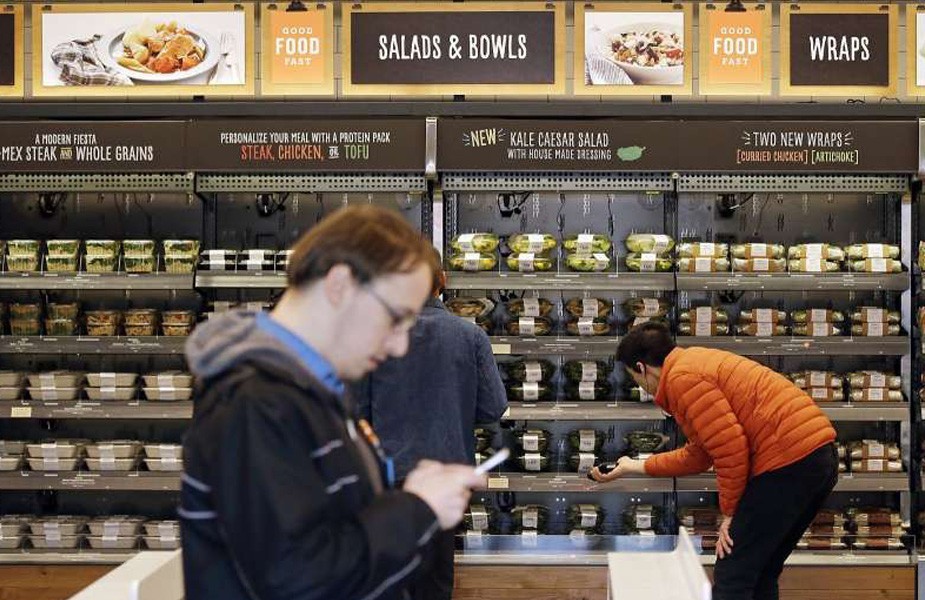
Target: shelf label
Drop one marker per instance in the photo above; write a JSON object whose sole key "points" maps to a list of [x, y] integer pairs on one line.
{"points": [[21, 412], [498, 483]]}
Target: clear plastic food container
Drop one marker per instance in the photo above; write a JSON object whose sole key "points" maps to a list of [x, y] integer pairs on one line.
{"points": [[114, 394], [114, 449], [164, 464], [168, 394], [168, 379], [111, 379], [53, 394], [64, 379], [63, 310], [53, 464]]}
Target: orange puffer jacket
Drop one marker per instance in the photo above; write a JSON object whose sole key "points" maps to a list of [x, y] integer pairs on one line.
{"points": [[739, 416]]}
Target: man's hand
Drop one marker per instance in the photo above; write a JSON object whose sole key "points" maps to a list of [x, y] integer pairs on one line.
{"points": [[724, 543], [445, 489], [625, 466]]}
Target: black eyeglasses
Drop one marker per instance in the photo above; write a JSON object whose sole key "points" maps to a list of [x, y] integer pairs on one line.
{"points": [[401, 321]]}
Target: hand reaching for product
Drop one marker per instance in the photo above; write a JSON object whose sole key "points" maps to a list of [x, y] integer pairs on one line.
{"points": [[445, 489], [625, 466], [724, 543]]}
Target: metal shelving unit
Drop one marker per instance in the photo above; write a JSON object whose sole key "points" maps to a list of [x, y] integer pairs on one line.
{"points": [[847, 482], [91, 281], [790, 282], [137, 409], [572, 482], [78, 557], [268, 280], [563, 346], [626, 281], [583, 411], [136, 481], [785, 345], [155, 345]]}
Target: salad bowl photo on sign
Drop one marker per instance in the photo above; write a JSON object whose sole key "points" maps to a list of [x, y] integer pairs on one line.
{"points": [[915, 50], [145, 50], [633, 49]]}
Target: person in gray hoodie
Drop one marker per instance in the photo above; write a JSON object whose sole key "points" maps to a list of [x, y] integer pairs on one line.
{"points": [[283, 492]]}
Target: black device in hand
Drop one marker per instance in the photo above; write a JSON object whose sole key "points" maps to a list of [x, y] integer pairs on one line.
{"points": [[604, 468]]}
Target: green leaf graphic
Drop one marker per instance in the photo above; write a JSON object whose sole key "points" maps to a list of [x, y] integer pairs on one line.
{"points": [[630, 153]]}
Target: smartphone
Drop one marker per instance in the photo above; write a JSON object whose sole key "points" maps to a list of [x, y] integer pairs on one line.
{"points": [[499, 457]]}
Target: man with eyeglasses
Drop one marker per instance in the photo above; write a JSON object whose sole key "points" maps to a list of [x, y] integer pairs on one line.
{"points": [[285, 493], [425, 406]]}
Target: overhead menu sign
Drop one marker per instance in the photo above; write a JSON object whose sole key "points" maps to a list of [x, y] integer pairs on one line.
{"points": [[292, 145], [92, 147], [137, 49], [915, 50], [11, 51], [800, 146], [538, 145], [838, 50], [440, 48], [735, 51], [297, 50]]}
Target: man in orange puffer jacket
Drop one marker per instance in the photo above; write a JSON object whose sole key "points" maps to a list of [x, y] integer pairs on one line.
{"points": [[772, 449]]}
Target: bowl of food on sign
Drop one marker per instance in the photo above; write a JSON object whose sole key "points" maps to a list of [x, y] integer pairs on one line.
{"points": [[160, 52], [650, 53]]}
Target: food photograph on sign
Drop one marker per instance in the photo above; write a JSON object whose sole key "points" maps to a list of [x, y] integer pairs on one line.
{"points": [[634, 48], [143, 48], [920, 49]]}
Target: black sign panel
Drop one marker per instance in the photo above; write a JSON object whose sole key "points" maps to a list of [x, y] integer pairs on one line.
{"points": [[491, 47], [7, 49], [840, 49]]}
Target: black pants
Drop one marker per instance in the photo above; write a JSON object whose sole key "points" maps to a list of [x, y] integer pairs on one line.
{"points": [[435, 581], [772, 515]]}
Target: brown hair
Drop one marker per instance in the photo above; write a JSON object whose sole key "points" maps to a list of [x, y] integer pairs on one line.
{"points": [[439, 276], [649, 343], [371, 241]]}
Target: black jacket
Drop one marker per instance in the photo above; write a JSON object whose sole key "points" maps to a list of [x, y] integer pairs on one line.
{"points": [[278, 498]]}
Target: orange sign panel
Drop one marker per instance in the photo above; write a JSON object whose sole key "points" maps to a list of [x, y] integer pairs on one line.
{"points": [[297, 47], [736, 46]]}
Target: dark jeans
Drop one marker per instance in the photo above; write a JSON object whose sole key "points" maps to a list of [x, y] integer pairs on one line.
{"points": [[436, 579], [772, 515]]}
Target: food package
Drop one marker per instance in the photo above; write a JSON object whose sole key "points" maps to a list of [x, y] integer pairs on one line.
{"points": [[114, 449], [642, 517], [637, 394], [529, 307], [483, 439], [111, 464], [582, 462], [826, 252], [704, 314], [703, 265], [817, 315], [821, 544], [874, 379], [876, 465], [826, 394], [11, 378], [530, 371], [759, 265], [757, 250], [878, 544], [644, 243], [875, 330], [587, 326], [533, 462], [588, 262], [119, 394], [25, 327], [177, 317], [532, 440], [830, 517], [528, 262], [139, 264], [25, 311], [10, 462], [585, 516], [58, 310], [703, 329], [532, 391], [531, 243], [813, 265], [529, 326], [587, 243], [588, 371], [530, 517], [872, 314], [646, 441], [588, 391], [181, 247], [62, 248], [52, 379], [586, 440], [179, 264], [700, 517], [864, 251], [61, 264], [100, 264], [164, 464], [23, 248], [872, 449], [876, 395], [472, 261], [480, 518], [872, 516], [53, 463], [588, 307], [54, 394], [142, 248], [167, 394], [876, 265], [168, 379], [56, 327], [648, 262], [816, 379], [760, 329], [176, 330], [702, 250], [646, 307], [485, 243], [762, 315], [140, 316], [476, 308], [102, 248], [816, 329], [22, 263]]}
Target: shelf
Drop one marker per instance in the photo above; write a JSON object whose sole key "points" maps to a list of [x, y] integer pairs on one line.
{"points": [[573, 482], [786, 345], [818, 559], [140, 481], [563, 346], [893, 412], [56, 557], [627, 281], [793, 281], [91, 345], [266, 280], [88, 281], [847, 482], [137, 409], [582, 411]]}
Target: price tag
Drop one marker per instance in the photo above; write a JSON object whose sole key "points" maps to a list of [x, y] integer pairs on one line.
{"points": [[643, 520], [531, 518], [472, 261], [876, 251], [874, 466], [814, 251], [706, 249], [703, 328], [758, 250], [531, 307], [586, 390], [21, 412], [588, 517], [588, 371], [111, 529], [466, 242], [820, 329], [498, 483], [586, 440], [820, 393], [529, 538], [585, 243], [818, 379], [479, 520], [761, 265], [703, 314], [527, 326], [874, 329], [534, 372], [535, 242], [526, 262], [531, 442], [589, 307], [648, 262], [501, 349], [661, 243], [531, 390], [764, 329], [813, 265], [585, 326], [765, 315], [107, 380], [533, 462], [819, 315], [106, 450], [703, 265], [585, 461], [877, 265], [601, 261], [650, 307], [877, 379], [876, 450], [873, 315]]}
